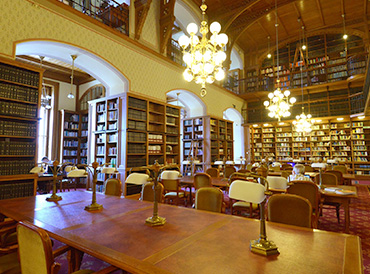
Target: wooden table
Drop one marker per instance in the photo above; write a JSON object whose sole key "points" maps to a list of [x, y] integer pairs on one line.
{"points": [[347, 178], [344, 200], [192, 241]]}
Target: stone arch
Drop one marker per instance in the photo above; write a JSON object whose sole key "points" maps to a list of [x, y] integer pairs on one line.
{"points": [[193, 105]]}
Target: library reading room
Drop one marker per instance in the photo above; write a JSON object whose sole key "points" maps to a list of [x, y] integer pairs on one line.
{"points": [[184, 136]]}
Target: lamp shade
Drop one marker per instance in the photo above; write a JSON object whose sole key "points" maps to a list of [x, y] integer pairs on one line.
{"points": [[219, 162], [318, 165], [109, 170], [332, 161], [77, 173]]}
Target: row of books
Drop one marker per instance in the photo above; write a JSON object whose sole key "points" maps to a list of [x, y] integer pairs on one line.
{"points": [[16, 167], [16, 190], [23, 76], [172, 111], [18, 109], [17, 148], [137, 103], [136, 114], [136, 125], [72, 143], [70, 125], [136, 149], [136, 162], [19, 92], [15, 128]]}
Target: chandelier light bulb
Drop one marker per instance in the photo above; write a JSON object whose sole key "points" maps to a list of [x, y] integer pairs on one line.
{"points": [[194, 40], [198, 56], [266, 103], [70, 96], [196, 68], [192, 28], [208, 67], [207, 56], [215, 27], [304, 47], [269, 55], [188, 76], [188, 59], [220, 75], [287, 93], [222, 39], [270, 95], [210, 80], [184, 41], [292, 100]]}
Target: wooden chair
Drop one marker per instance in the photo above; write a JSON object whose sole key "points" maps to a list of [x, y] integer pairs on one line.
{"points": [[309, 168], [249, 167], [275, 168], [243, 171], [248, 194], [286, 167], [67, 183], [329, 179], [202, 180], [171, 183], [209, 198], [36, 254], [229, 170], [213, 172], [338, 174], [310, 191], [289, 209], [113, 186], [147, 193]]}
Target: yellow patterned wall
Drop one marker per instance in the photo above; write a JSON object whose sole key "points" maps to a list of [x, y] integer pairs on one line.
{"points": [[150, 32], [148, 74]]}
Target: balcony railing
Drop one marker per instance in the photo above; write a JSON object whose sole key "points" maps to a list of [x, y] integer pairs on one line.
{"points": [[109, 12]]}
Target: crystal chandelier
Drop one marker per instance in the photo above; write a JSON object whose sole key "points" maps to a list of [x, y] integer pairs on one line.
{"points": [[45, 97], [204, 58], [303, 122], [279, 103]]}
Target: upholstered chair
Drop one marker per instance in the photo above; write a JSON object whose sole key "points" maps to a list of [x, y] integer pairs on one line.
{"points": [[213, 172], [229, 170], [277, 182], [289, 209], [113, 186], [202, 180], [171, 183], [209, 198], [147, 193]]}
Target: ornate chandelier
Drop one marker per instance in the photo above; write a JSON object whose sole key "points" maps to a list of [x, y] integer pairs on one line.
{"points": [[303, 123], [279, 103], [204, 58]]}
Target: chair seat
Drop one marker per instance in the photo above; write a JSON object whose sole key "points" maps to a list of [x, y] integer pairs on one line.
{"points": [[244, 205], [173, 194], [9, 263]]}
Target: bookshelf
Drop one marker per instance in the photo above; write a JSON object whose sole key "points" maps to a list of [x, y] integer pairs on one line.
{"points": [[153, 132], [20, 87], [70, 136], [345, 139], [106, 131], [211, 137], [84, 132]]}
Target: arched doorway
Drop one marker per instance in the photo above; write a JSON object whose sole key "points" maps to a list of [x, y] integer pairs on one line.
{"points": [[235, 116]]}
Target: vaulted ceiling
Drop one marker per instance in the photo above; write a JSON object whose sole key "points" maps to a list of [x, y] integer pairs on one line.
{"points": [[250, 22]]}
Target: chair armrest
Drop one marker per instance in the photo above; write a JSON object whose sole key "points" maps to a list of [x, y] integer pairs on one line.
{"points": [[107, 270], [61, 250]]}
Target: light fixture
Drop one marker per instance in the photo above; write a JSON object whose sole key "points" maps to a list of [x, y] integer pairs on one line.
{"points": [[279, 103], [318, 121], [71, 95], [204, 58], [345, 36], [303, 122], [304, 47], [361, 117], [45, 97], [255, 125], [281, 124], [265, 125], [340, 119], [268, 47]]}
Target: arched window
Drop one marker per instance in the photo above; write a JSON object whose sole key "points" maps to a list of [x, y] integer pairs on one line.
{"points": [[92, 93]]}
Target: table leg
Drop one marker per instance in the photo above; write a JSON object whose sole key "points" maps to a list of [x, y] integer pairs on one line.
{"points": [[346, 214], [74, 258]]}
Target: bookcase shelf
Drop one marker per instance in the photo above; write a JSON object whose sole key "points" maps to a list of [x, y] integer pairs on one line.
{"points": [[20, 87]]}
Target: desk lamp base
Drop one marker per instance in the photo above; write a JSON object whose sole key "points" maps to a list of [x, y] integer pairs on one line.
{"points": [[155, 221], [54, 198], [264, 247], [93, 207]]}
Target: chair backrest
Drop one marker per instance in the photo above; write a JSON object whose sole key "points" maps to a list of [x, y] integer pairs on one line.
{"points": [[337, 173], [308, 168], [35, 250], [209, 198], [170, 180], [147, 193], [286, 167], [341, 168], [289, 209], [275, 168], [243, 171], [286, 173], [213, 172], [247, 191], [277, 182], [329, 179], [137, 178], [202, 180], [308, 190], [249, 167], [113, 186], [229, 170]]}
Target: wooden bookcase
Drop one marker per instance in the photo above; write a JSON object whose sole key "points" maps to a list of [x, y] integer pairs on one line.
{"points": [[69, 137], [152, 132], [105, 118], [347, 140], [20, 91], [207, 139], [84, 133]]}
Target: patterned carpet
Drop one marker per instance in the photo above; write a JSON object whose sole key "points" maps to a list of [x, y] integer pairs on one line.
{"points": [[360, 220]]}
